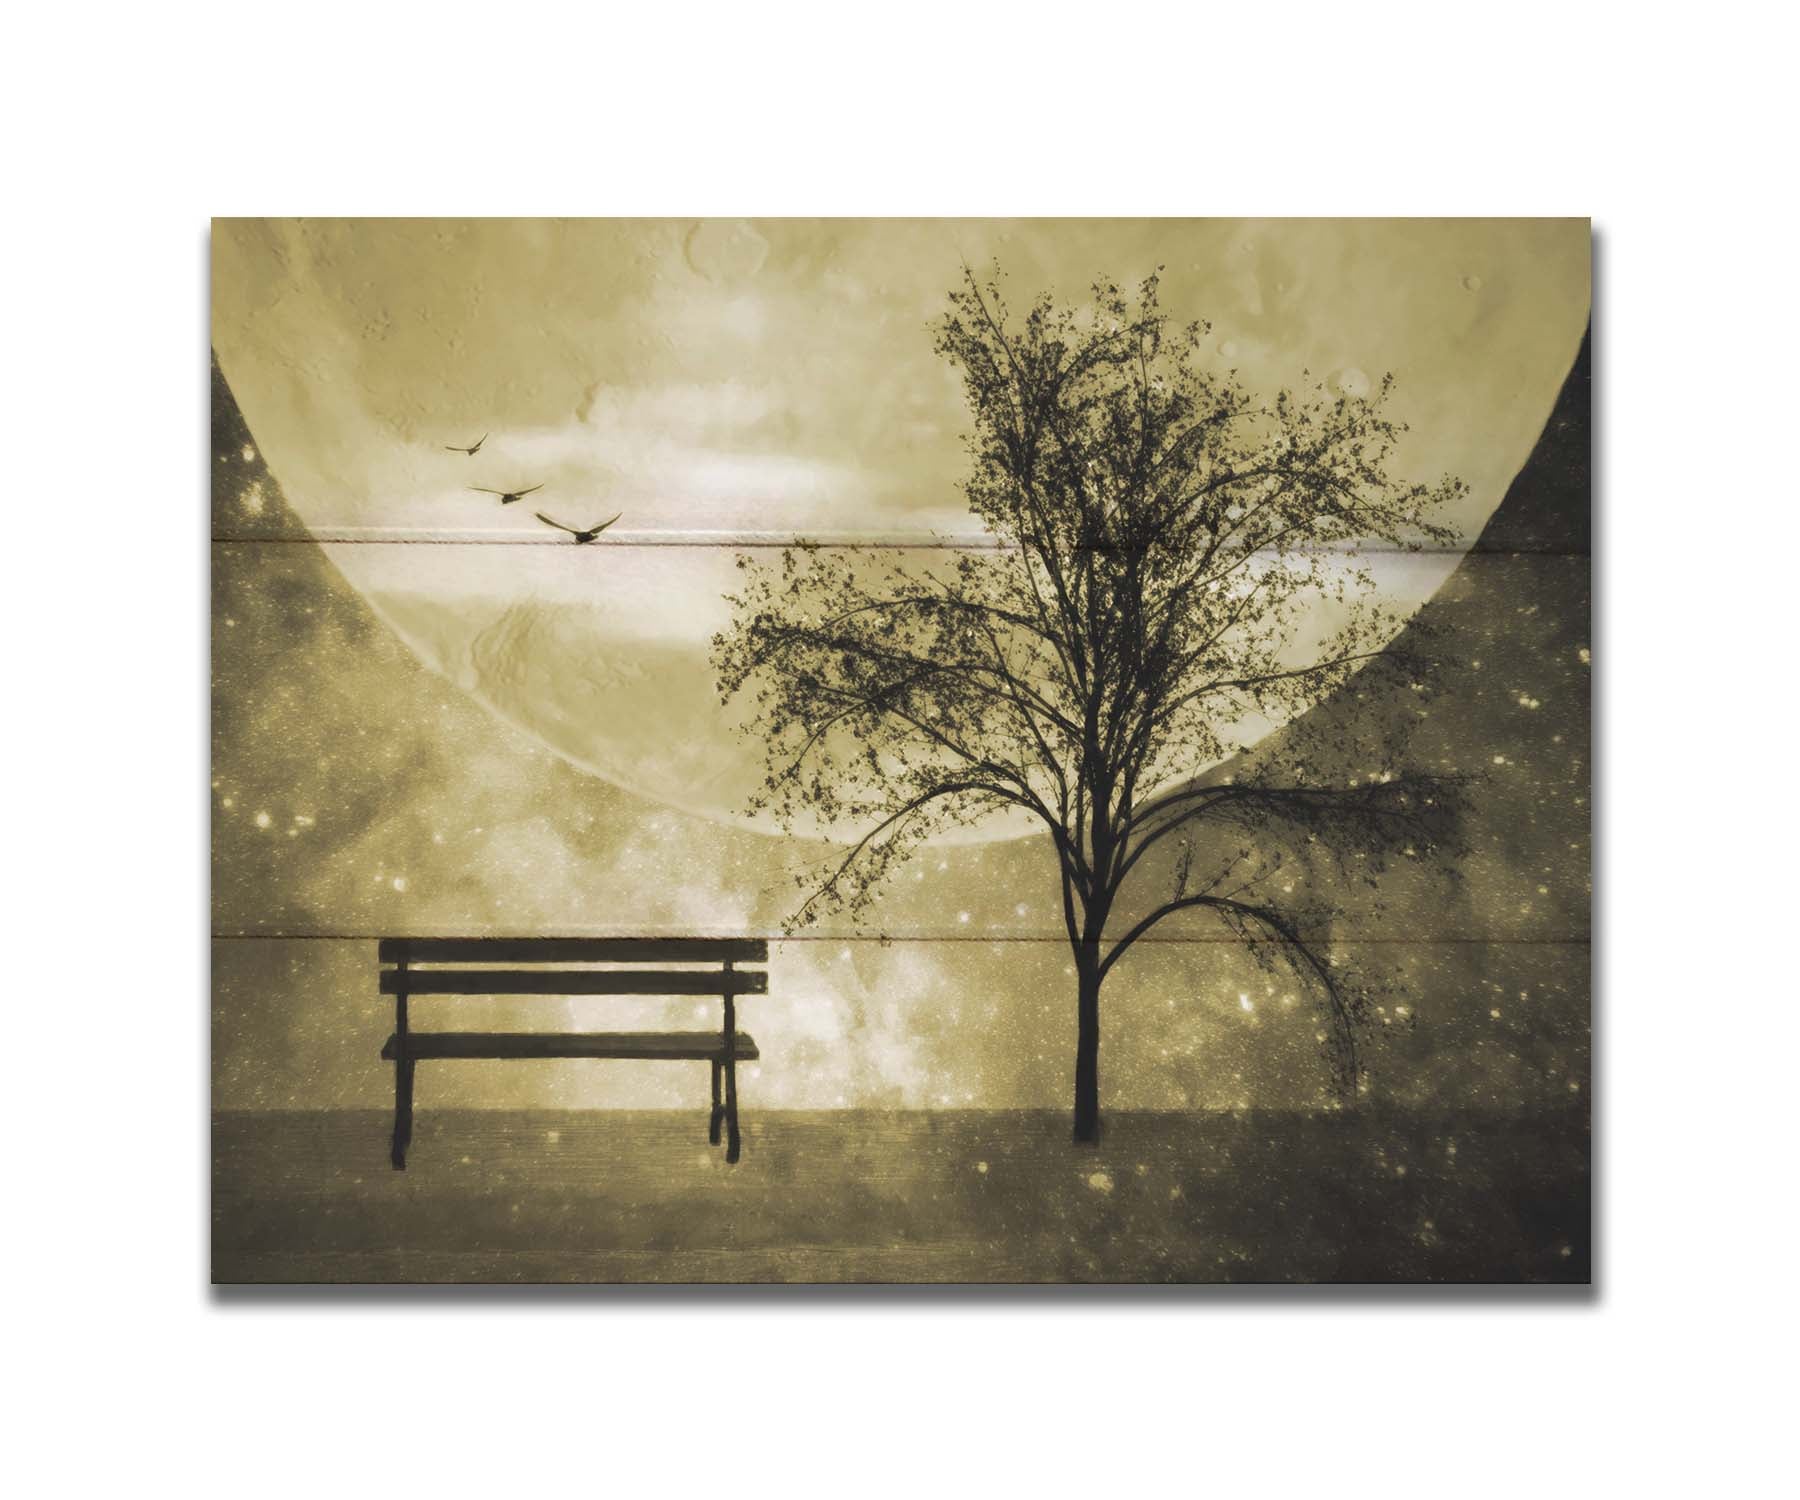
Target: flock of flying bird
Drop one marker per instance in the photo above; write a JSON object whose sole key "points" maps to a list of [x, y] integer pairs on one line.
{"points": [[509, 497]]}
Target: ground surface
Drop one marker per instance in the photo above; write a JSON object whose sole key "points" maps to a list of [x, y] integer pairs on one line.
{"points": [[914, 1197]]}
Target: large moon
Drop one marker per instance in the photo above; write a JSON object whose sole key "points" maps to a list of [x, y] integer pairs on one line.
{"points": [[725, 382]]}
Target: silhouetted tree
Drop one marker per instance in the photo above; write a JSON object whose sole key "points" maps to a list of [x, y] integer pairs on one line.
{"points": [[1164, 545]]}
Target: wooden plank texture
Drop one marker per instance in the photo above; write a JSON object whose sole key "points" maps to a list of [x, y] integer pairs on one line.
{"points": [[1508, 705]]}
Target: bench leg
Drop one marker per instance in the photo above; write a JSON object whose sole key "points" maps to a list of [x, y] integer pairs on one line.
{"points": [[403, 1110], [732, 1143], [718, 1110]]}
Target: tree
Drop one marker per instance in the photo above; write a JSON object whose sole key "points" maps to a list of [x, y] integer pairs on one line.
{"points": [[1164, 549]]}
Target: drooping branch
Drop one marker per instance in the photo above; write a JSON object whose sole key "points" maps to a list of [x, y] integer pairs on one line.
{"points": [[831, 884], [1342, 1004], [1419, 806]]}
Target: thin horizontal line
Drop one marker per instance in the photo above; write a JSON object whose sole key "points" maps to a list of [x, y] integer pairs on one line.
{"points": [[838, 543], [891, 939]]}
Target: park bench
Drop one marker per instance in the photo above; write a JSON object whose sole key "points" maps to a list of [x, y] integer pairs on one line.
{"points": [[413, 966]]}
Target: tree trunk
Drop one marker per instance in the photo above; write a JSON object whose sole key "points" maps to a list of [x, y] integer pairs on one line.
{"points": [[1087, 1052]]}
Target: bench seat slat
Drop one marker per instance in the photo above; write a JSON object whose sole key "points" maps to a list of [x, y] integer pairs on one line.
{"points": [[574, 981], [572, 950], [673, 1046]]}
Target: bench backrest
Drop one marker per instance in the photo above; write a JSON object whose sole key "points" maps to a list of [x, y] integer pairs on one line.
{"points": [[491, 966]]}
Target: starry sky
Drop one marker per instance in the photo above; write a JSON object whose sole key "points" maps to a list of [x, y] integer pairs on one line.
{"points": [[357, 792]]}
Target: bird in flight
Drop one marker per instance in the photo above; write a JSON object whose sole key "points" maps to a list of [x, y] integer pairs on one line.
{"points": [[580, 536], [451, 447], [506, 496]]}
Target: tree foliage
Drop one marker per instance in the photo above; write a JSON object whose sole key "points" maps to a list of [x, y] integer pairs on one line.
{"points": [[1165, 546]]}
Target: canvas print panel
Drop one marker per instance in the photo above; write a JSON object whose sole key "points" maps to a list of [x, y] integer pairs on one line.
{"points": [[981, 751]]}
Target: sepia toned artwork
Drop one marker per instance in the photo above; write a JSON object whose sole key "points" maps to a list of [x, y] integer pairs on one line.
{"points": [[995, 751]]}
